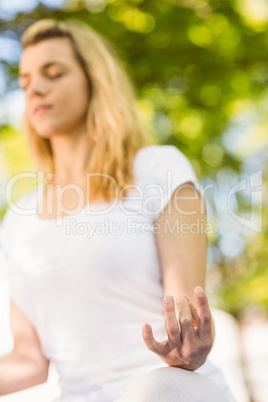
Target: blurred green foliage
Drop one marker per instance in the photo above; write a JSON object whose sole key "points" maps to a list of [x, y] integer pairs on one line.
{"points": [[200, 70]]}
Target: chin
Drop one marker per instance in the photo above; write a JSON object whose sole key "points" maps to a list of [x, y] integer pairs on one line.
{"points": [[45, 132]]}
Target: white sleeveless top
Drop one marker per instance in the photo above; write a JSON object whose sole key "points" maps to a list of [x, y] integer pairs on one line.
{"points": [[88, 281]]}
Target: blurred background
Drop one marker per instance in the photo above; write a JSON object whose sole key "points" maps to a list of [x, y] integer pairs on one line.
{"points": [[200, 69]]}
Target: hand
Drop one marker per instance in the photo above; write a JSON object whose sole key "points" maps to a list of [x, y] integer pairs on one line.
{"points": [[190, 338]]}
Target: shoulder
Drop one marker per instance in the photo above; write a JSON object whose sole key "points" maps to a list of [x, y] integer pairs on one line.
{"points": [[160, 158], [26, 201], [22, 205], [17, 209], [158, 150], [164, 168], [161, 163], [154, 154]]}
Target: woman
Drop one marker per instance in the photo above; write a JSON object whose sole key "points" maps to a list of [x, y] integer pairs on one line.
{"points": [[93, 251]]}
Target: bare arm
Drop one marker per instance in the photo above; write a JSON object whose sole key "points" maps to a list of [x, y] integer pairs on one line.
{"points": [[182, 255], [25, 366]]}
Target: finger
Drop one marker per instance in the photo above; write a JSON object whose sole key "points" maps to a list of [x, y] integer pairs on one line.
{"points": [[149, 340], [193, 312], [204, 313], [172, 326], [186, 321]]}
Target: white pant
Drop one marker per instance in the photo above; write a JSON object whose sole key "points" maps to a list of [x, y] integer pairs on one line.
{"points": [[172, 384]]}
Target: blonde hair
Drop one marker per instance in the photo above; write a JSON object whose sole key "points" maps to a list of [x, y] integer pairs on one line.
{"points": [[114, 123]]}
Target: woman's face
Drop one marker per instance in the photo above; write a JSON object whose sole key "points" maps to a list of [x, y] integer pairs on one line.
{"points": [[56, 88]]}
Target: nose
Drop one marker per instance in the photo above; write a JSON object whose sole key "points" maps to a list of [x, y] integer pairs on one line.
{"points": [[37, 86]]}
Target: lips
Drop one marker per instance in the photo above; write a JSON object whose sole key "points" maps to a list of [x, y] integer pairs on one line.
{"points": [[41, 108]]}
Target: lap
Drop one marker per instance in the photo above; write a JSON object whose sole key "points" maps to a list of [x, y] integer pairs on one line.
{"points": [[172, 384]]}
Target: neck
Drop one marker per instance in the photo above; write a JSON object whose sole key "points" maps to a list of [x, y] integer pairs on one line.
{"points": [[71, 154]]}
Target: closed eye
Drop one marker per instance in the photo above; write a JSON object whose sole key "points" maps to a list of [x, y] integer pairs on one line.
{"points": [[51, 77], [55, 76]]}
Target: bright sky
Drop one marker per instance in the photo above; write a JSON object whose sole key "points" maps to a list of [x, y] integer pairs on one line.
{"points": [[8, 9]]}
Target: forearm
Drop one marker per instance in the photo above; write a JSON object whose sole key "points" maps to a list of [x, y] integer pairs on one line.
{"points": [[18, 372]]}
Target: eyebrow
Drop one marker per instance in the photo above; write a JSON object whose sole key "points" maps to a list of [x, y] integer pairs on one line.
{"points": [[44, 67]]}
